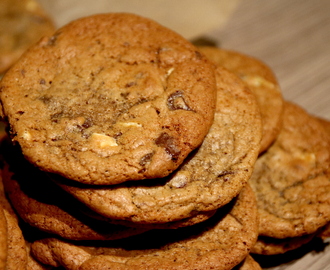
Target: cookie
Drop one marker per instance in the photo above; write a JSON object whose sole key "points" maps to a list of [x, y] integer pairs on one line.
{"points": [[291, 179], [16, 257], [262, 82], [274, 246], [22, 23], [209, 178], [119, 97], [220, 243], [44, 211]]}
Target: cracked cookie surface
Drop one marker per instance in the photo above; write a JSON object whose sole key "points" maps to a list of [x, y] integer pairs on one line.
{"points": [[291, 179], [262, 82], [209, 178], [220, 243], [110, 98]]}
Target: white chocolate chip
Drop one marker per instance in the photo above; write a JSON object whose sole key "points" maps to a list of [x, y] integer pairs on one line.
{"points": [[168, 73], [258, 81], [26, 135], [103, 141], [130, 124], [180, 179]]}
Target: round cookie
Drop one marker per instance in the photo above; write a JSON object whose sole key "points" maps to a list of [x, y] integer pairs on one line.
{"points": [[22, 23], [209, 178], [220, 243], [262, 82], [110, 98], [291, 179]]}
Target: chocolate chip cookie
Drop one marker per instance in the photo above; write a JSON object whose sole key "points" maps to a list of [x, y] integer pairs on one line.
{"points": [[262, 82], [110, 98], [22, 23], [220, 243], [291, 179], [209, 178]]}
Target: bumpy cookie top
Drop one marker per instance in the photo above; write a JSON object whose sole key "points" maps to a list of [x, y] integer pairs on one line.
{"points": [[219, 243], [22, 23], [110, 98], [291, 179]]}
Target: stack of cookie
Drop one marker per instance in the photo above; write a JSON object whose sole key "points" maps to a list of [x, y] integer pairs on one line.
{"points": [[130, 149]]}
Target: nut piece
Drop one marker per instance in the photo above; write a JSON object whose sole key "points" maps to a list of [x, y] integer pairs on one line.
{"points": [[103, 141], [181, 179]]}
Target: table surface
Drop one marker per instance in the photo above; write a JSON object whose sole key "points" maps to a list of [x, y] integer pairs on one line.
{"points": [[292, 37]]}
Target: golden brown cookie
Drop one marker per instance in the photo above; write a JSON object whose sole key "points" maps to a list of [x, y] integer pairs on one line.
{"points": [[119, 97], [209, 178], [22, 23], [220, 243], [291, 179], [262, 82]]}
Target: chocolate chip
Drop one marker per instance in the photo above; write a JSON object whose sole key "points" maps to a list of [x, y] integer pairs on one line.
{"points": [[176, 102], [146, 159], [88, 123], [168, 143], [42, 81], [130, 84]]}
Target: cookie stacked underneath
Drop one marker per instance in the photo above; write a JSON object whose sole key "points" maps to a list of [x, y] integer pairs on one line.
{"points": [[129, 149], [291, 176]]}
